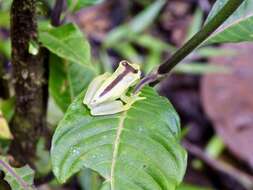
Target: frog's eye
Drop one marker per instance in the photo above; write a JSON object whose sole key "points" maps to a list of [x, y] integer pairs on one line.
{"points": [[124, 63]]}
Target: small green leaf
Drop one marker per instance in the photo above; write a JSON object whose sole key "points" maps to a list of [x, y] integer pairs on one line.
{"points": [[4, 128], [18, 178], [5, 19], [5, 47], [33, 48], [76, 5], [238, 27], [8, 108], [67, 80], [67, 42], [136, 149]]}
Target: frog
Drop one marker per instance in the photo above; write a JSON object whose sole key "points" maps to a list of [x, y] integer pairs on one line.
{"points": [[107, 93]]}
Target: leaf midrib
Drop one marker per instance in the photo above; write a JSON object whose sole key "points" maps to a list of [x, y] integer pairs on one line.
{"points": [[116, 149]]}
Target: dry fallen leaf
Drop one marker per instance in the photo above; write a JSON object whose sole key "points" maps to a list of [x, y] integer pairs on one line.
{"points": [[228, 100]]}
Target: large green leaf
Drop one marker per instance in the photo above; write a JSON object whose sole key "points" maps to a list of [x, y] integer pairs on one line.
{"points": [[79, 4], [67, 80], [137, 149], [18, 178], [67, 42], [238, 27]]}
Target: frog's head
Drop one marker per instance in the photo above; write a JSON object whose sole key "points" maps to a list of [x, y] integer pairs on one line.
{"points": [[129, 72], [132, 68]]}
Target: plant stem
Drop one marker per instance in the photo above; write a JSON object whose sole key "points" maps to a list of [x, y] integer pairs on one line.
{"points": [[202, 35], [30, 82], [192, 44], [56, 13]]}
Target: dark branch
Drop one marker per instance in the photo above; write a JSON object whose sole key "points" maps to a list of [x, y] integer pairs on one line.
{"points": [[30, 81], [56, 13]]}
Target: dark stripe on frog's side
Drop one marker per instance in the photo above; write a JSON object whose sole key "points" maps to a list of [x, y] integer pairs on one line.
{"points": [[128, 69]]}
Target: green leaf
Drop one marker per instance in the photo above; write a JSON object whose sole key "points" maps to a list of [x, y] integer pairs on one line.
{"points": [[18, 178], [238, 27], [67, 80], [152, 43], [76, 5], [136, 149], [7, 107], [5, 47], [191, 187], [5, 19], [4, 128], [67, 42]]}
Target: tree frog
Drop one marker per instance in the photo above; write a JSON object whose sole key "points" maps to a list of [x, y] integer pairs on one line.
{"points": [[106, 94]]}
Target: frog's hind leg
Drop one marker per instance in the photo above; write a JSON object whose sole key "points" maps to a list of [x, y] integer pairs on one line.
{"points": [[116, 106], [108, 108], [93, 86]]}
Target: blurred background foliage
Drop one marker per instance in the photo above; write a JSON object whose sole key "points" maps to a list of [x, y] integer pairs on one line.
{"points": [[144, 32]]}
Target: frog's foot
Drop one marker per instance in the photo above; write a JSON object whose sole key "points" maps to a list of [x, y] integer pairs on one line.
{"points": [[130, 100]]}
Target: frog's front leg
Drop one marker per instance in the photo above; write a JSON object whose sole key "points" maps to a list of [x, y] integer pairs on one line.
{"points": [[130, 100]]}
